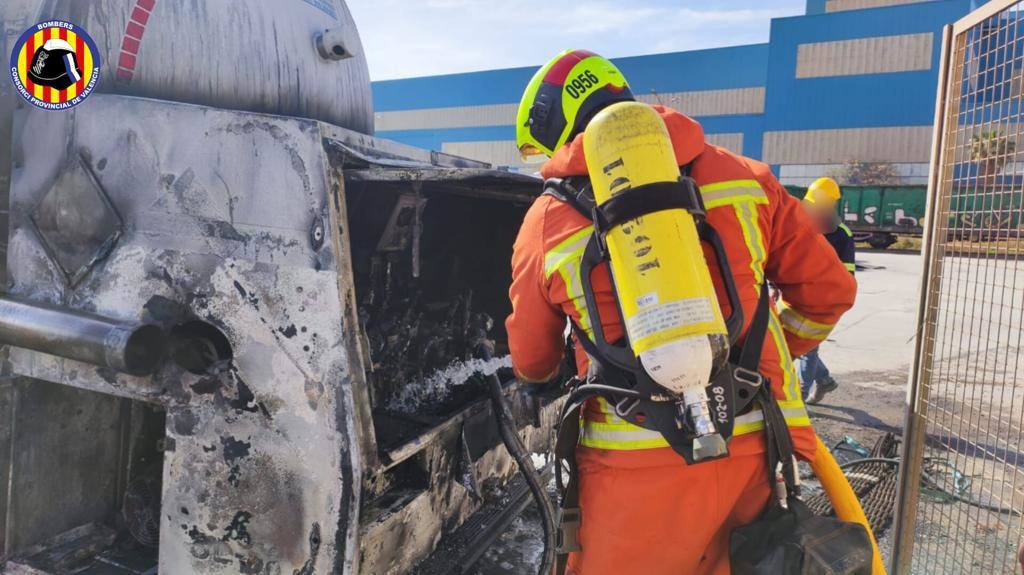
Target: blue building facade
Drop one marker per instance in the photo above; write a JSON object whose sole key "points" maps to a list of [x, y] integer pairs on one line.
{"points": [[849, 81]]}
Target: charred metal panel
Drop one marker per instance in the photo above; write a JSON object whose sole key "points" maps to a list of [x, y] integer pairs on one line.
{"points": [[251, 241], [58, 430], [6, 428], [76, 222], [218, 208], [15, 17]]}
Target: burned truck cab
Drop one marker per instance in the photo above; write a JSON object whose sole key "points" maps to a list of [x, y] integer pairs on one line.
{"points": [[243, 335], [320, 298]]}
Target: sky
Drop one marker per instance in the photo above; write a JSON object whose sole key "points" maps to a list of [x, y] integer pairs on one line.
{"points": [[407, 38]]}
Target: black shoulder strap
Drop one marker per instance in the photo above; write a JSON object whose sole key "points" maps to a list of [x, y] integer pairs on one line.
{"points": [[576, 190], [749, 355], [568, 191], [645, 199], [780, 443]]}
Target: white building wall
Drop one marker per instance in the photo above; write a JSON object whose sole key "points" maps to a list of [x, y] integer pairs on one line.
{"points": [[804, 174], [504, 152], [875, 55], [695, 103], [731, 142], [710, 102], [900, 145], [844, 5]]}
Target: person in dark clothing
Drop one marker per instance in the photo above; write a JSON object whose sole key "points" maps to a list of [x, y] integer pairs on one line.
{"points": [[820, 202]]}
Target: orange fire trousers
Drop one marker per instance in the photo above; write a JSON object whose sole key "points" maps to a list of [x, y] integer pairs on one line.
{"points": [[652, 514]]}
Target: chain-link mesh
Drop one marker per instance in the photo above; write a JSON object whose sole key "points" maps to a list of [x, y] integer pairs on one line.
{"points": [[964, 457]]}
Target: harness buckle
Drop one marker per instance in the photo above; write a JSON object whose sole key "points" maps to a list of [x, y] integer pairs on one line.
{"points": [[626, 405], [747, 376], [748, 385], [567, 537], [692, 191], [600, 228]]}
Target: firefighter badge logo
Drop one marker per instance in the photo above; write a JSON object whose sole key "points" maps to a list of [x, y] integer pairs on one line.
{"points": [[55, 65]]}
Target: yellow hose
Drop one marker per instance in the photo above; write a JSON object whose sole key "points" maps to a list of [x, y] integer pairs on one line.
{"points": [[843, 499]]}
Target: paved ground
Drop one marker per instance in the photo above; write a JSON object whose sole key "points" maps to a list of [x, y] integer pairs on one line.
{"points": [[877, 334], [869, 353]]}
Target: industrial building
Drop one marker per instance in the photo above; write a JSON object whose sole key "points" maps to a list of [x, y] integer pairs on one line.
{"points": [[849, 81]]}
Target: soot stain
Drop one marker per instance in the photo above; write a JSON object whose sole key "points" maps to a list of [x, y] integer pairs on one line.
{"points": [[234, 449], [185, 422], [238, 529], [246, 400], [206, 386], [314, 549], [108, 375]]}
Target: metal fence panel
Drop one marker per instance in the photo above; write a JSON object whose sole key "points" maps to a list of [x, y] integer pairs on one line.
{"points": [[962, 482]]}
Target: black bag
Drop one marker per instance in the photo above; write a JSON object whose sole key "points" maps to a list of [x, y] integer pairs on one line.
{"points": [[795, 541], [791, 540]]}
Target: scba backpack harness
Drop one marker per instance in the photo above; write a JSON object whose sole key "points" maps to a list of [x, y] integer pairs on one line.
{"points": [[787, 539], [615, 374]]}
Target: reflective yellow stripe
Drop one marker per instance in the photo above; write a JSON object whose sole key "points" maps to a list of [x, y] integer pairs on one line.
{"points": [[746, 213], [619, 436], [795, 412], [790, 379], [568, 252], [749, 422], [729, 192], [852, 268], [604, 407], [622, 435], [565, 260], [803, 327]]}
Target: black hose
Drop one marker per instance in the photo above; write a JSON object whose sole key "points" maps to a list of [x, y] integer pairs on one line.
{"points": [[854, 462], [932, 484], [510, 436], [597, 388]]}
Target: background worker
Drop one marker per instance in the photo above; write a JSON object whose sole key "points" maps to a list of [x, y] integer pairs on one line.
{"points": [[820, 202], [643, 509]]}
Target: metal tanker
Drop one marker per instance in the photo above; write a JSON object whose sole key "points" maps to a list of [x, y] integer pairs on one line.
{"points": [[299, 58], [239, 334]]}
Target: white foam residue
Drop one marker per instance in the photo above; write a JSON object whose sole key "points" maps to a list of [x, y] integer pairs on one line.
{"points": [[439, 384], [540, 460]]}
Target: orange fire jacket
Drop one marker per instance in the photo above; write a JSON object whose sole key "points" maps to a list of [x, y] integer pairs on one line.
{"points": [[766, 236]]}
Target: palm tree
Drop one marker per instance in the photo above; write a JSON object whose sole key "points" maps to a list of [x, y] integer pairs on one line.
{"points": [[990, 150]]}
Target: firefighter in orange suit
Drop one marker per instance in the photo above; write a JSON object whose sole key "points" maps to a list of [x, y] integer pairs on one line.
{"points": [[644, 509]]}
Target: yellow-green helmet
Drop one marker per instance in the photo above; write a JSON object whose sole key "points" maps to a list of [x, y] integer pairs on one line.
{"points": [[562, 97]]}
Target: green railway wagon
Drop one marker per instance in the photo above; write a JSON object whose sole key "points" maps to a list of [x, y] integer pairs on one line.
{"points": [[992, 215], [876, 214]]}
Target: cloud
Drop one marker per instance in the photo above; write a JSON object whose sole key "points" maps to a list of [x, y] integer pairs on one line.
{"points": [[403, 38]]}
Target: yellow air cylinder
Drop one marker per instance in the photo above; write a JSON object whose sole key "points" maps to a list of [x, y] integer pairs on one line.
{"points": [[664, 288]]}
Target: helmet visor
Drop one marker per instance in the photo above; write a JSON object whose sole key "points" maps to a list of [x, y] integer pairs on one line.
{"points": [[531, 154]]}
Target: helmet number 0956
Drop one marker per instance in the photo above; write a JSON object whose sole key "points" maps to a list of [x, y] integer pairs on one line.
{"points": [[581, 84]]}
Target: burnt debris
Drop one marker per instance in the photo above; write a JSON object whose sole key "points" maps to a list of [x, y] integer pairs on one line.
{"points": [[412, 337], [431, 274]]}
